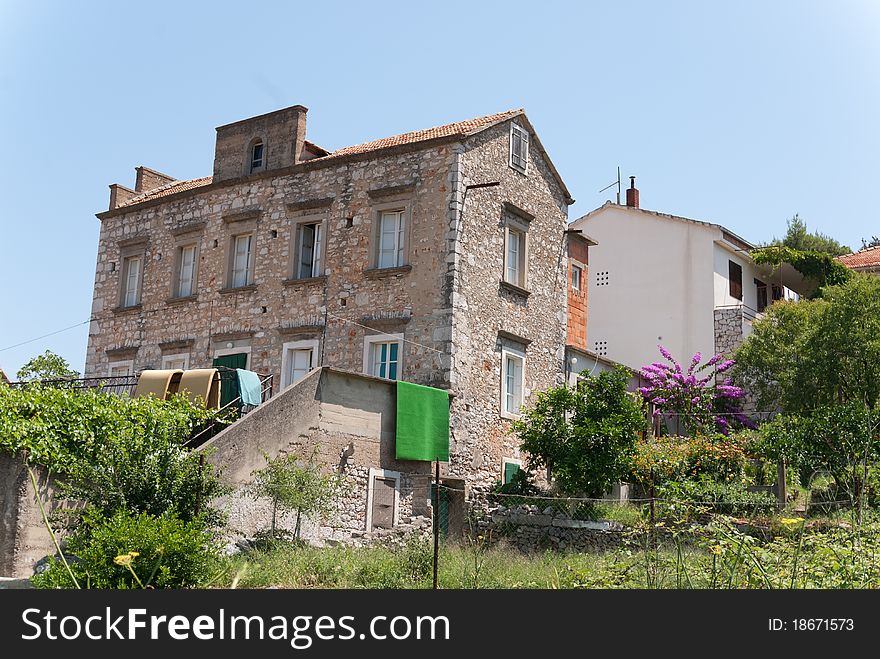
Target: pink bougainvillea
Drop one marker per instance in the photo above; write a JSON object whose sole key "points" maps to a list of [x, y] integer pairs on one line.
{"points": [[693, 394]]}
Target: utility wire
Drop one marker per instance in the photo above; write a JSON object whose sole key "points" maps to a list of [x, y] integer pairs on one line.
{"points": [[45, 335]]}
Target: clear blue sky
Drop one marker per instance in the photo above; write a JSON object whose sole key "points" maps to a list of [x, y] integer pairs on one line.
{"points": [[742, 113]]}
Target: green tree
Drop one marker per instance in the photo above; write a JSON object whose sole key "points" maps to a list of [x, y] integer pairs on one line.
{"points": [[814, 353], [583, 437], [799, 238], [295, 484], [47, 366]]}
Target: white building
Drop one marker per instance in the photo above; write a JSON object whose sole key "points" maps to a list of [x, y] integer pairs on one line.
{"points": [[657, 278]]}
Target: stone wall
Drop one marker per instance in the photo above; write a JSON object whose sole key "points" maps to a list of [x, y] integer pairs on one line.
{"points": [[529, 529], [348, 421], [23, 536], [728, 330], [488, 315]]}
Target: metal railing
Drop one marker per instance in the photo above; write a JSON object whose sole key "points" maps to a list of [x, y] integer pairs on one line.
{"points": [[747, 312]]}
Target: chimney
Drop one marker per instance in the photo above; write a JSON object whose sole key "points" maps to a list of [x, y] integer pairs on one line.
{"points": [[632, 193]]}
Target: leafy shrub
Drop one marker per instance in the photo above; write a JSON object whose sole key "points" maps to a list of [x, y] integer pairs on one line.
{"points": [[688, 458], [111, 451], [131, 550], [723, 498]]}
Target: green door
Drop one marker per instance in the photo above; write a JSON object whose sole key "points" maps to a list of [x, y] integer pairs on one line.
{"points": [[443, 509], [228, 382]]}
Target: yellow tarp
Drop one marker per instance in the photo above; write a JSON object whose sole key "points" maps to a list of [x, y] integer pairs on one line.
{"points": [[156, 383], [201, 383]]}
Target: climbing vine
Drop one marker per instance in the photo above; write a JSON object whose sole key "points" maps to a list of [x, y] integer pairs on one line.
{"points": [[821, 268]]}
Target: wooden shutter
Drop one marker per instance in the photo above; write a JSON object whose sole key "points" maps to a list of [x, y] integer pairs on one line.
{"points": [[735, 273]]}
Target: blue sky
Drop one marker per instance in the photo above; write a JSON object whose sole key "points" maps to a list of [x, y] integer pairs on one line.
{"points": [[742, 113]]}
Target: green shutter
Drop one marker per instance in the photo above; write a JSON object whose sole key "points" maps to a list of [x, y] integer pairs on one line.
{"points": [[229, 385], [510, 469]]}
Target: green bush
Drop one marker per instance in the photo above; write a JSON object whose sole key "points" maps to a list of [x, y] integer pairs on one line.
{"points": [[723, 498], [135, 551]]}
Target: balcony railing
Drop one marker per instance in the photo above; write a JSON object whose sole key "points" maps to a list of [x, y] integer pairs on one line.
{"points": [[747, 312]]}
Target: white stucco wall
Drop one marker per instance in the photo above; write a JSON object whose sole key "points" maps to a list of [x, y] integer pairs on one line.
{"points": [[660, 288]]}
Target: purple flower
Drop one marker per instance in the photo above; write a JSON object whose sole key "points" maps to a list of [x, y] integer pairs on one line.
{"points": [[666, 353]]}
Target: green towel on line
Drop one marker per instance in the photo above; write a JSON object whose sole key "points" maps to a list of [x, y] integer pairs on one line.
{"points": [[250, 388], [422, 423]]}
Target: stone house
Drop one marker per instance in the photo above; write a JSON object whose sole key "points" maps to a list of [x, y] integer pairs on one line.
{"points": [[687, 284], [437, 256]]}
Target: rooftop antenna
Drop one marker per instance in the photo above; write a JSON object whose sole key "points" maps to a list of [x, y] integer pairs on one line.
{"points": [[611, 185]]}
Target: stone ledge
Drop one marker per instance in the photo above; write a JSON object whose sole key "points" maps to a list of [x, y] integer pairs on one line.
{"points": [[513, 288], [130, 309], [238, 289], [320, 279], [181, 300], [381, 273]]}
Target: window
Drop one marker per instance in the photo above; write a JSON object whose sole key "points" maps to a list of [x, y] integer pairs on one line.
{"points": [[256, 156], [382, 355], [297, 359], [177, 362], [576, 271], [735, 272], [308, 253], [519, 148], [186, 271], [392, 227], [762, 295], [120, 369], [242, 260], [515, 256], [131, 282], [512, 372]]}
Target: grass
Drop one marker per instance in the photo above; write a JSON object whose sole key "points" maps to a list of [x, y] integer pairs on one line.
{"points": [[720, 556]]}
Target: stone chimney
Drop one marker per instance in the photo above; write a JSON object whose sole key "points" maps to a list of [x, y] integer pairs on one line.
{"points": [[147, 179], [632, 193], [281, 134]]}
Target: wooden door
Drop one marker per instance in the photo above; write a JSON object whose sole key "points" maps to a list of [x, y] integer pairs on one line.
{"points": [[383, 502]]}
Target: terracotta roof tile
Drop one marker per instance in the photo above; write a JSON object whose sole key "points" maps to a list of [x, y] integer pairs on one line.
{"points": [[865, 258], [170, 189], [458, 129]]}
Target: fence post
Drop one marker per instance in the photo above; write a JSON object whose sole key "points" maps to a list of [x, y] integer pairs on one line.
{"points": [[653, 517], [781, 493], [436, 515]]}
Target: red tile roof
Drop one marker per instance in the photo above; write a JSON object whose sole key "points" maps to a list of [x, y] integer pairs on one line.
{"points": [[459, 129], [865, 258]]}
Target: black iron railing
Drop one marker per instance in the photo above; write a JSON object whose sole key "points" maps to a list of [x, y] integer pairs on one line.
{"points": [[747, 312]]}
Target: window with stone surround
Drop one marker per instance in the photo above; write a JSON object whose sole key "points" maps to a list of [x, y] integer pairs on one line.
{"points": [[513, 363], [177, 361], [132, 278], [297, 359], [121, 368], [516, 253], [256, 155], [309, 250], [185, 270], [382, 355], [391, 238], [241, 261], [519, 148]]}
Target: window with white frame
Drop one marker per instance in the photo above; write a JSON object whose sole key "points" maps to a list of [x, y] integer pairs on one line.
{"points": [[512, 378], [576, 272], [391, 238], [120, 369], [308, 250], [132, 268], [186, 271], [241, 271], [256, 155], [179, 361], [382, 355], [515, 243], [297, 359], [519, 148]]}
